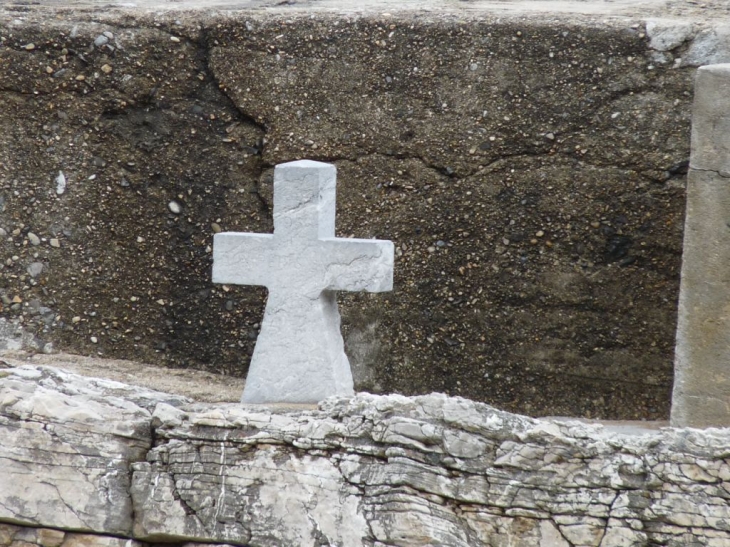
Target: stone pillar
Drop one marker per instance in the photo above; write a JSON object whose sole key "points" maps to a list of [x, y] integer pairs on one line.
{"points": [[701, 395]]}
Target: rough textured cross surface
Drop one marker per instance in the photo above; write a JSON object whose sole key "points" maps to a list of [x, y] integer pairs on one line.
{"points": [[299, 355], [702, 380], [98, 457]]}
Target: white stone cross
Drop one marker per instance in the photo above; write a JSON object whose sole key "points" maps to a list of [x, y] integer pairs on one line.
{"points": [[299, 355]]}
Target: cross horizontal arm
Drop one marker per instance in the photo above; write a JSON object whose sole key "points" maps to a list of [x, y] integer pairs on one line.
{"points": [[358, 264], [242, 258]]}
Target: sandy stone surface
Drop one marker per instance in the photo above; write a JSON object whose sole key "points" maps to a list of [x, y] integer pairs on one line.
{"points": [[626, 8], [198, 385]]}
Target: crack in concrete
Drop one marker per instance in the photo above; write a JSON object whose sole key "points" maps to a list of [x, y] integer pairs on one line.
{"points": [[205, 46]]}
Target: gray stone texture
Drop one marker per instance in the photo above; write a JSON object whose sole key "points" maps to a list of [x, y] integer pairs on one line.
{"points": [[459, 135], [710, 46], [300, 355], [701, 395], [669, 35], [22, 536], [362, 471], [66, 448], [711, 120]]}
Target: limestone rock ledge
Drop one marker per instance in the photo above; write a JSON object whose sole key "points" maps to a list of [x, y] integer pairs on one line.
{"points": [[98, 457], [67, 444]]}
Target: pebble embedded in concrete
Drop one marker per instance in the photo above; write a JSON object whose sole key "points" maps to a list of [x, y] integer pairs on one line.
{"points": [[35, 269], [60, 183]]}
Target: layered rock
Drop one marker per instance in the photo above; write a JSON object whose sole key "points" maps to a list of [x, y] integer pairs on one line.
{"points": [[433, 469], [67, 444], [112, 460], [22, 536]]}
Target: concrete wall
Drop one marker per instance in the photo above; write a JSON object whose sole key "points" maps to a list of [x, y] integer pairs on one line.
{"points": [[529, 169]]}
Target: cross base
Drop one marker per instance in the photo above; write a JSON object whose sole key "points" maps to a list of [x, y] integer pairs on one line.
{"points": [[302, 336]]}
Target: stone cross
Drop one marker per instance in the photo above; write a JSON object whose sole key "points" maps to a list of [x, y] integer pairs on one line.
{"points": [[299, 355], [701, 395]]}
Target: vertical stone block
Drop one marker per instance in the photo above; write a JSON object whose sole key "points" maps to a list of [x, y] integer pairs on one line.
{"points": [[701, 395], [711, 120]]}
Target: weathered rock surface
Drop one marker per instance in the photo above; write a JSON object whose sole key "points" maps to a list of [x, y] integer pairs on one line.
{"points": [[368, 470], [21, 536], [67, 444], [529, 168]]}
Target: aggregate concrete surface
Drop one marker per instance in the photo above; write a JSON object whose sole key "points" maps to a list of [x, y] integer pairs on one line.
{"points": [[528, 160]]}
